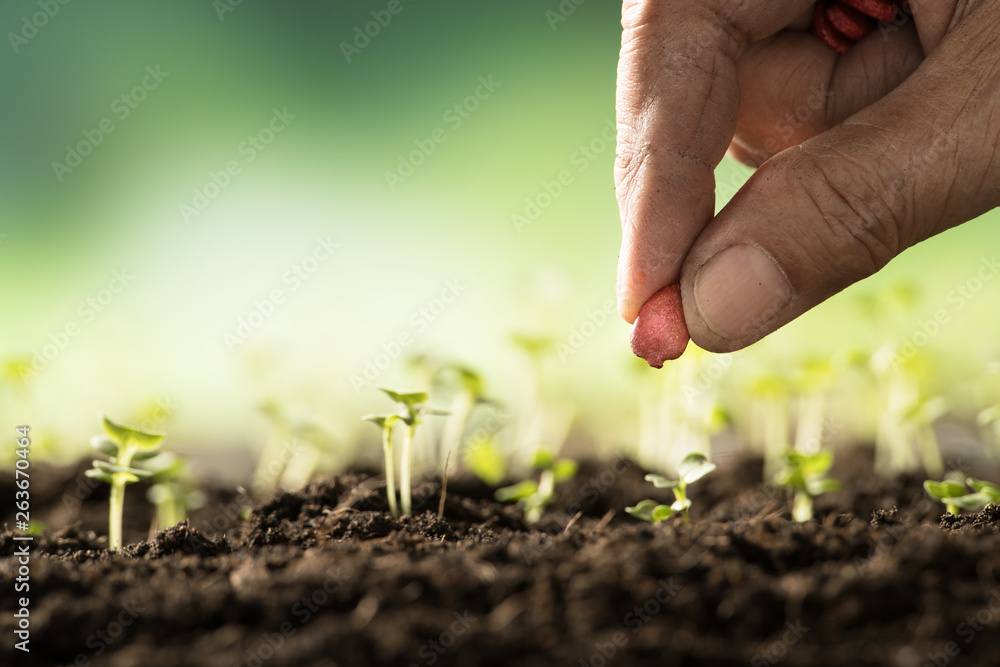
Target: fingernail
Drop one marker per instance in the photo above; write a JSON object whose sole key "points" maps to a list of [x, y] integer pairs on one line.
{"points": [[739, 291]]}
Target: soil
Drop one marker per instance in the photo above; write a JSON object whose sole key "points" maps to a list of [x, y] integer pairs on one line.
{"points": [[326, 577]]}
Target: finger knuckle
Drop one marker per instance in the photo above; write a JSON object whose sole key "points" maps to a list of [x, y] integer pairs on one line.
{"points": [[861, 214]]}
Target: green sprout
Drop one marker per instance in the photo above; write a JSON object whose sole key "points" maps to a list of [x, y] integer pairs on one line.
{"points": [[533, 497], [485, 459], [952, 493], [469, 393], [122, 445], [905, 437], [412, 413], [805, 475], [772, 393], [692, 468], [386, 423], [172, 492]]}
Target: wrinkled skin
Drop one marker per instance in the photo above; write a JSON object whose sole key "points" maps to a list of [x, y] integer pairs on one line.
{"points": [[859, 155]]}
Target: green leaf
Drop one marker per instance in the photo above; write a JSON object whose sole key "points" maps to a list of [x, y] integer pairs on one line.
{"points": [[543, 460], [93, 473], [113, 469], [662, 512], [818, 485], [382, 421], [694, 467], [815, 464], [941, 490], [486, 460], [465, 378], [681, 505], [535, 346], [972, 502], [661, 482], [145, 454], [564, 469], [518, 491], [126, 436], [790, 476], [104, 445], [649, 510], [410, 400], [167, 467], [159, 493], [990, 489]]}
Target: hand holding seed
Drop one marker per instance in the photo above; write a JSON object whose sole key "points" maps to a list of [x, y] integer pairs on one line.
{"points": [[861, 154]]}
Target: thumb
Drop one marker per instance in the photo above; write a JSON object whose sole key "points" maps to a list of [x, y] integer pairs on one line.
{"points": [[836, 209]]}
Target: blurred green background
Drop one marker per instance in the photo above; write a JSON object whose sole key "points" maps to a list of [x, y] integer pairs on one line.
{"points": [[346, 118]]}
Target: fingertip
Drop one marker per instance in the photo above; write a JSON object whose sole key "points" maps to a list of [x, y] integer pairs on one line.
{"points": [[736, 298]]}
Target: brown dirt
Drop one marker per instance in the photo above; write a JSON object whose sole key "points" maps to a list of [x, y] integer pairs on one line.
{"points": [[326, 577]]}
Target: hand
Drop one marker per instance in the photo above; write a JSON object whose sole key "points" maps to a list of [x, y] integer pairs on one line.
{"points": [[860, 155]]}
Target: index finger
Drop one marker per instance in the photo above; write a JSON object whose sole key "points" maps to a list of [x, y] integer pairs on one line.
{"points": [[677, 106]]}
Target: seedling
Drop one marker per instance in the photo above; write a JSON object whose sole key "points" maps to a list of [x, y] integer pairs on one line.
{"points": [[533, 497], [122, 445], [469, 393], [772, 394], [952, 493], [172, 492], [905, 438], [805, 476], [387, 423], [485, 459], [412, 413], [533, 410], [691, 469]]}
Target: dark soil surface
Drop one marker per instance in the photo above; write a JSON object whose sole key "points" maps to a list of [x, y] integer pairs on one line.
{"points": [[326, 577]]}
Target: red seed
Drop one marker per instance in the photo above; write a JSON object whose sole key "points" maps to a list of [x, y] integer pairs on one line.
{"points": [[850, 22], [826, 32], [659, 333], [880, 10]]}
